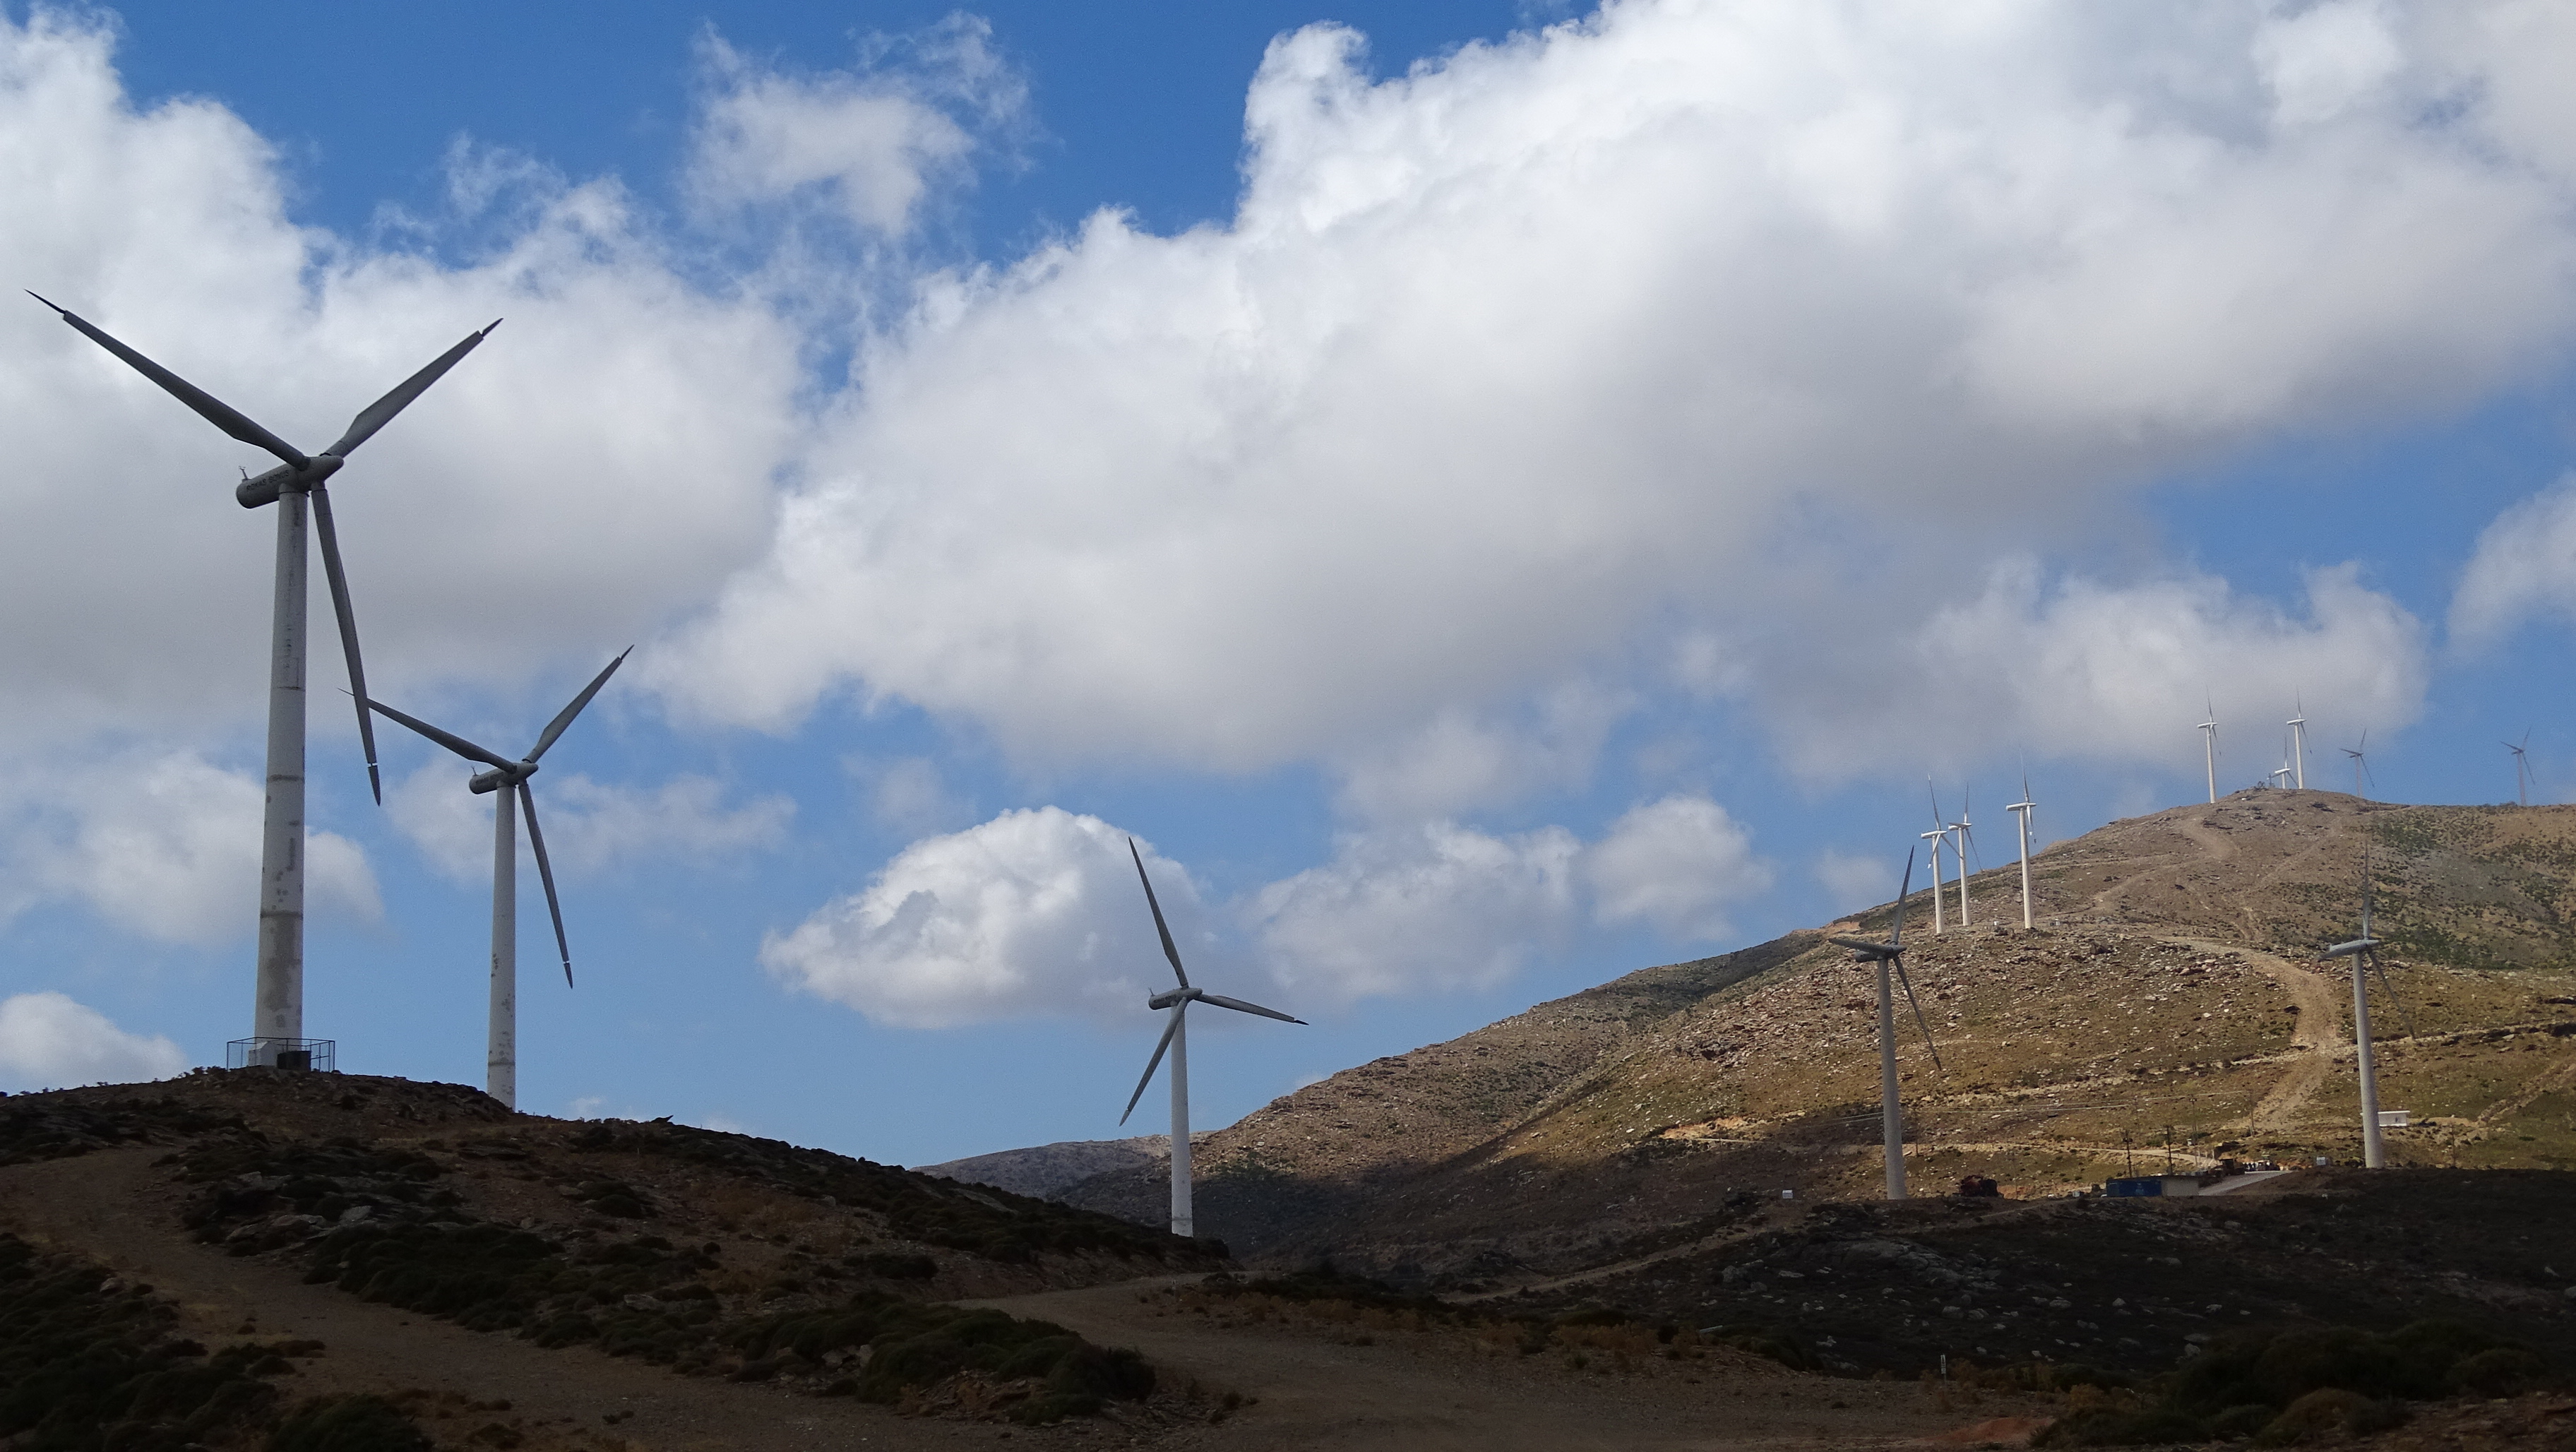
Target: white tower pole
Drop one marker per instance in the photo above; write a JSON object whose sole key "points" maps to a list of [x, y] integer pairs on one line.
{"points": [[2372, 1153], [1182, 1222], [1936, 838], [501, 1059], [1959, 850], [2021, 814], [278, 1006], [2299, 755], [2209, 747], [1892, 1117]]}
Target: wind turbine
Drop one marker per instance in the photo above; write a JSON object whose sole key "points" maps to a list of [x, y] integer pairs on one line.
{"points": [[1892, 954], [2021, 814], [277, 1020], [1960, 849], [507, 781], [2364, 954], [2275, 777], [2360, 762], [1176, 1039], [2209, 749], [2521, 769], [1939, 834], [2298, 724]]}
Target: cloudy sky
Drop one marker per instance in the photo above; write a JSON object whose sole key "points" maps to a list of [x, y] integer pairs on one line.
{"points": [[1487, 495]]}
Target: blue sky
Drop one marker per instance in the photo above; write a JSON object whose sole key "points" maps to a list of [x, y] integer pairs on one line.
{"points": [[1518, 498]]}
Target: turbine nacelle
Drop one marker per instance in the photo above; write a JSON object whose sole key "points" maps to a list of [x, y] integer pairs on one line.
{"points": [[263, 489], [1171, 996], [499, 777], [1864, 950], [2357, 945]]}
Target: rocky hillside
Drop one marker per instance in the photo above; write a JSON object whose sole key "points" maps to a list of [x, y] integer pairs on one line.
{"points": [[1048, 1168], [2169, 996]]}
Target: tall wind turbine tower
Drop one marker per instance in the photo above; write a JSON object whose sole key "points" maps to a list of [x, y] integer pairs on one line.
{"points": [[1939, 834], [295, 486], [2521, 770], [2363, 952], [1886, 955], [2298, 724], [2209, 748], [2360, 763], [1967, 840], [2021, 814], [507, 781], [1176, 1039]]}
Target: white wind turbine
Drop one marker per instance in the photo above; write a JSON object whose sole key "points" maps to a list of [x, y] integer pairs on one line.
{"points": [[507, 781], [1960, 849], [295, 486], [1939, 834], [1176, 1039], [2360, 762], [2209, 748], [2021, 813], [2521, 770], [2364, 953], [2277, 775], [1891, 954], [2298, 724]]}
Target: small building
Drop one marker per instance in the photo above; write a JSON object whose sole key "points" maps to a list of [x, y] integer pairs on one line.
{"points": [[2136, 1185]]}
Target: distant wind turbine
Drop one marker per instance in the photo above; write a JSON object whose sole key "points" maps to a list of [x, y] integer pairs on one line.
{"points": [[2521, 769], [277, 1020], [2284, 770], [2298, 724], [1886, 955], [1959, 851], [1939, 834], [2360, 762], [2021, 813], [2209, 749], [1176, 1039], [507, 781], [2364, 954]]}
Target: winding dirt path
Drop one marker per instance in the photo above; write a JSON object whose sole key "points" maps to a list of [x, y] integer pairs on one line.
{"points": [[1434, 1391], [113, 1208], [2319, 1038]]}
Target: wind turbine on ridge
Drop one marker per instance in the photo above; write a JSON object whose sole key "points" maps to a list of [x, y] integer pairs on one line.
{"points": [[2363, 952], [1959, 850], [295, 486], [2209, 749], [1176, 1039], [507, 781], [1939, 834], [2021, 813], [2298, 724], [2360, 762], [2521, 769], [2284, 768], [1886, 955]]}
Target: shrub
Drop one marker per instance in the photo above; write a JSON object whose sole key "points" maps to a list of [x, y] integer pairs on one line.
{"points": [[2496, 1372], [2326, 1414], [348, 1424]]}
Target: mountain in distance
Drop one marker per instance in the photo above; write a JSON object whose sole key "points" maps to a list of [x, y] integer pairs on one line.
{"points": [[2168, 1009]]}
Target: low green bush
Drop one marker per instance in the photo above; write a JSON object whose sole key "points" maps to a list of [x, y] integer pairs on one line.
{"points": [[348, 1424]]}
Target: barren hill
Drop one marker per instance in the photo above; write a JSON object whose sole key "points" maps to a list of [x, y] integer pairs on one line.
{"points": [[2169, 992]]}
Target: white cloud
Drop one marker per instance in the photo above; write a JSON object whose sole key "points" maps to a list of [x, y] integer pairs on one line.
{"points": [[869, 145], [1854, 880], [48, 1041], [2524, 568], [1438, 906], [590, 826], [1676, 864], [162, 845], [1560, 352], [2102, 672], [1033, 912], [1461, 759]]}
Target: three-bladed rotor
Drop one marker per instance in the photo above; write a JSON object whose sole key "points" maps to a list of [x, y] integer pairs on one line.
{"points": [[1179, 999], [508, 775], [2365, 949], [1892, 953], [298, 473]]}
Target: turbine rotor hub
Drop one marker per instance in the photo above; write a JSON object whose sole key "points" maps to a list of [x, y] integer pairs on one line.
{"points": [[496, 778], [1171, 996]]}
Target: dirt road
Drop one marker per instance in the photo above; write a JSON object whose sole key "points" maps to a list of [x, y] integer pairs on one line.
{"points": [[1433, 1391]]}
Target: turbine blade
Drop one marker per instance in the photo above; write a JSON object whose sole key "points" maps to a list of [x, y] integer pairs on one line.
{"points": [[1898, 939], [546, 875], [339, 581], [1918, 1013], [1168, 950], [448, 739], [1239, 1006], [214, 410], [1937, 819], [563, 718], [1156, 1062], [381, 412], [2385, 987]]}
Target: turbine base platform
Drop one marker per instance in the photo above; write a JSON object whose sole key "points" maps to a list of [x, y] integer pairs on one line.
{"points": [[292, 1054]]}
